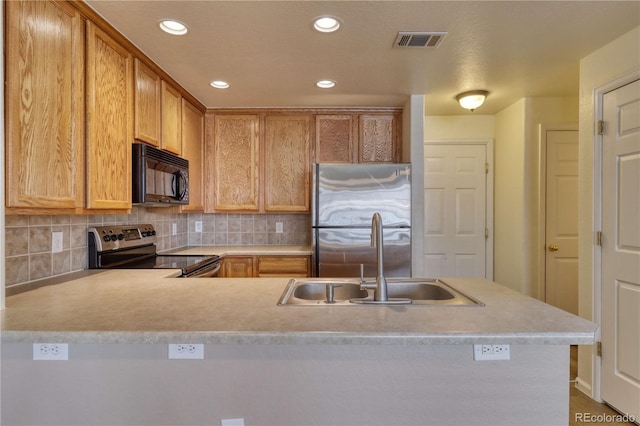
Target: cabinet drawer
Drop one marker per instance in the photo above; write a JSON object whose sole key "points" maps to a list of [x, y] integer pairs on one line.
{"points": [[283, 266]]}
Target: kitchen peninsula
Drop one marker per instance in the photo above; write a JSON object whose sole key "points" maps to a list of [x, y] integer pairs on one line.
{"points": [[283, 365]]}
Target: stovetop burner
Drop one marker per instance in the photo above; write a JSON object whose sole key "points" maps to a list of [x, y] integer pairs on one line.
{"points": [[134, 247]]}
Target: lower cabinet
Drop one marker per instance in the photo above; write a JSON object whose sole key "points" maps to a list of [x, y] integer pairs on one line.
{"points": [[283, 266], [265, 266], [237, 267]]}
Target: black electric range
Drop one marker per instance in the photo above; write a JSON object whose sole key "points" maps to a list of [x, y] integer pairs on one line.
{"points": [[134, 247]]}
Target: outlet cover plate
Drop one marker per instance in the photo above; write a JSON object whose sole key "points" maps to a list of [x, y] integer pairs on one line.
{"points": [[50, 352], [232, 422], [491, 352], [186, 351], [56, 241]]}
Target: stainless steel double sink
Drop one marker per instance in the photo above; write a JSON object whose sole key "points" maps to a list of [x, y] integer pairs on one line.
{"points": [[347, 292]]}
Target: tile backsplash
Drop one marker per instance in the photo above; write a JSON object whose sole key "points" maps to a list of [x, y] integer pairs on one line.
{"points": [[28, 238]]}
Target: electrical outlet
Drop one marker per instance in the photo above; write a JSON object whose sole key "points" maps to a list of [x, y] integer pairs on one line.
{"points": [[491, 352], [174, 229], [186, 351], [56, 241], [50, 351], [279, 228], [232, 422], [198, 225]]}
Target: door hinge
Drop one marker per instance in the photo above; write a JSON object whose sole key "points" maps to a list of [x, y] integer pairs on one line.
{"points": [[486, 168], [486, 233], [599, 349], [600, 127], [599, 238]]}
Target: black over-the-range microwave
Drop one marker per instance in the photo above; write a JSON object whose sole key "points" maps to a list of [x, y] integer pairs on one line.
{"points": [[159, 178]]}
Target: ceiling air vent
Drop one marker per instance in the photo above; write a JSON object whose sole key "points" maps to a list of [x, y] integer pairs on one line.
{"points": [[419, 39]]}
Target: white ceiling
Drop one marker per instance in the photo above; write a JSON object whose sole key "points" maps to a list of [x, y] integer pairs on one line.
{"points": [[271, 56]]}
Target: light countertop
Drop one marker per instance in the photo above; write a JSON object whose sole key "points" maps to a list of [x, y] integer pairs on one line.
{"points": [[148, 306], [245, 250]]}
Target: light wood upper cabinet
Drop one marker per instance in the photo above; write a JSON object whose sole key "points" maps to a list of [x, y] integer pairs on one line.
{"points": [[171, 119], [379, 138], [287, 163], [109, 121], [259, 162], [193, 150], [44, 105], [357, 137], [335, 141], [236, 153], [147, 104]]}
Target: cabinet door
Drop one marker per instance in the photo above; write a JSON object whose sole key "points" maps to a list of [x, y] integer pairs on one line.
{"points": [[193, 150], [236, 151], [287, 163], [109, 121], [171, 119], [147, 104], [45, 105], [283, 266], [378, 138], [335, 139], [237, 267]]}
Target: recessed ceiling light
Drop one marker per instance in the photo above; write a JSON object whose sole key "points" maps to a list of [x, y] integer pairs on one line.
{"points": [[219, 84], [172, 26], [325, 84], [326, 24]]}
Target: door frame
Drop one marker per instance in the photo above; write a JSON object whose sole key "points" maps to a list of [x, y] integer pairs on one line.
{"points": [[488, 143], [596, 249], [542, 200]]}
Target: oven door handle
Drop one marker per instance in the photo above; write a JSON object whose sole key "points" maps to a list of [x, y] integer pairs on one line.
{"points": [[216, 269], [206, 273]]}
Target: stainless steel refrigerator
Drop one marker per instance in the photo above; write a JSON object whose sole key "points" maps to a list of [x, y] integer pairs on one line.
{"points": [[344, 199]]}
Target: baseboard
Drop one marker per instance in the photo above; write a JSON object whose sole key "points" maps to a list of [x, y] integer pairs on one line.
{"points": [[584, 387]]}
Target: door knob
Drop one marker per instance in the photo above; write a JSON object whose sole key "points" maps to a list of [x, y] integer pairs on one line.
{"points": [[553, 247]]}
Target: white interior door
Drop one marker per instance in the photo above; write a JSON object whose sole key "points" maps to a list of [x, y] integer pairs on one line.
{"points": [[561, 218], [455, 210], [620, 374]]}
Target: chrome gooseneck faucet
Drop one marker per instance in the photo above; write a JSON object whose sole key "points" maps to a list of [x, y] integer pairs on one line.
{"points": [[381, 295], [377, 242]]}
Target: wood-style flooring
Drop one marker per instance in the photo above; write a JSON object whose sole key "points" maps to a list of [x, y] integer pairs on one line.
{"points": [[581, 403]]}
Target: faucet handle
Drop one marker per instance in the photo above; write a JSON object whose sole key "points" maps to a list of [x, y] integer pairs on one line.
{"points": [[329, 290]]}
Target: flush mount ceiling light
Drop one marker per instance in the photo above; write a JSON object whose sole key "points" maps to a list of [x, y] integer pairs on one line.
{"points": [[325, 84], [472, 99], [171, 26], [219, 84], [326, 24]]}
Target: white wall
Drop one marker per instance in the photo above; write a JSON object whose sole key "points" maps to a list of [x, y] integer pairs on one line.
{"points": [[606, 64], [543, 110], [281, 384], [459, 127], [508, 196], [412, 151], [2, 249], [517, 165]]}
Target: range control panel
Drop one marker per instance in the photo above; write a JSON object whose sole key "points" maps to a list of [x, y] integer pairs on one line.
{"points": [[116, 237]]}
